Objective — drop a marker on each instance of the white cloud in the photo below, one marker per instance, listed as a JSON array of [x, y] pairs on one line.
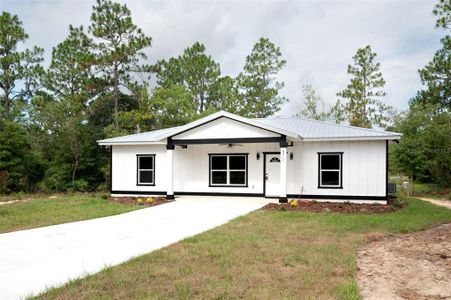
[[317, 38]]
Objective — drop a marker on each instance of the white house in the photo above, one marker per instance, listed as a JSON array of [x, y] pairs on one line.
[[227, 155]]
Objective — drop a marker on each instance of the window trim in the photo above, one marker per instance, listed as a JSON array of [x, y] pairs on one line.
[[340, 177], [138, 156], [228, 170]]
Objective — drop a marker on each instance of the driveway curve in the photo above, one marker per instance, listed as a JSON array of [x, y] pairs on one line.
[[35, 259]]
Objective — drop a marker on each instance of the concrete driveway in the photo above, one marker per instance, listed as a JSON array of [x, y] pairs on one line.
[[31, 260]]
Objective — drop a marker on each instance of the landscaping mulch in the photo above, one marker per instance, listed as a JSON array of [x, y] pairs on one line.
[[348, 208], [134, 200]]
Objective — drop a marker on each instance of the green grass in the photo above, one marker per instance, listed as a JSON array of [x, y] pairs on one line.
[[63, 209], [260, 255]]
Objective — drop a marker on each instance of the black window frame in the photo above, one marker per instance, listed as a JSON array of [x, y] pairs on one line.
[[228, 170], [138, 183], [340, 177]]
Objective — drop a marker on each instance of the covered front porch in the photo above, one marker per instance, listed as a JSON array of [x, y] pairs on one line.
[[244, 166]]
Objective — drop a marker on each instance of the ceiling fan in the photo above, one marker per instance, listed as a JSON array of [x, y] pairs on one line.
[[231, 145]]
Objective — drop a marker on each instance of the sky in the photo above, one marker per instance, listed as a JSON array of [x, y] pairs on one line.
[[317, 38]]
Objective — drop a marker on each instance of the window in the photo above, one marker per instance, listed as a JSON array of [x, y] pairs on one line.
[[228, 169], [330, 170], [146, 169], [274, 160]]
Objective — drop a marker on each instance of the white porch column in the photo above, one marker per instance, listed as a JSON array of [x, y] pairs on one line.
[[169, 163], [283, 172]]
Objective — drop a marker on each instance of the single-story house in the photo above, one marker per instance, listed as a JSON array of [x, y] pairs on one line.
[[227, 155]]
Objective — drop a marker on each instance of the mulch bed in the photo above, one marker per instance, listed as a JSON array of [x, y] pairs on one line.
[[348, 208], [134, 200]]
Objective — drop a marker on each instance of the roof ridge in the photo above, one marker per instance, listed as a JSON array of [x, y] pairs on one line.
[[330, 123]]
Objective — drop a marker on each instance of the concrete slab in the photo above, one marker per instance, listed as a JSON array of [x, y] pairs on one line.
[[32, 260]]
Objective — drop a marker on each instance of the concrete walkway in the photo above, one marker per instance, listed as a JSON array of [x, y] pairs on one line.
[[31, 260]]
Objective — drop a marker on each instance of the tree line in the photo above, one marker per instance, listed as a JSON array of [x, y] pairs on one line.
[[97, 85]]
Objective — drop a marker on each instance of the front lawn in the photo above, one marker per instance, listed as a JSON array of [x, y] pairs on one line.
[[62, 209], [266, 254]]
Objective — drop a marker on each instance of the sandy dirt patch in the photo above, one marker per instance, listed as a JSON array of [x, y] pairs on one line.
[[444, 203], [410, 266]]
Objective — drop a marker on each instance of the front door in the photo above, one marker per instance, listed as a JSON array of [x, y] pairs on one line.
[[272, 175]]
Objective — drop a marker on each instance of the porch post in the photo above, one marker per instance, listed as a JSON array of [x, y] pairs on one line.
[[170, 180], [283, 171]]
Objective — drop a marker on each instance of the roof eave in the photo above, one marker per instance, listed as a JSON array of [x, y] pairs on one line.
[[359, 138], [130, 143]]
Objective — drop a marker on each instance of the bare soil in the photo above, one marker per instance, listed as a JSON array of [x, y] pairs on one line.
[[319, 207], [444, 203], [410, 266], [144, 200]]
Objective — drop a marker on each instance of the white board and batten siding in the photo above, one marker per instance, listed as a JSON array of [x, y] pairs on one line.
[[225, 128], [124, 171], [363, 168]]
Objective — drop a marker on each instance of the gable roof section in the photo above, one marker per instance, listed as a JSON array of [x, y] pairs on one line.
[[313, 130], [160, 136], [293, 128]]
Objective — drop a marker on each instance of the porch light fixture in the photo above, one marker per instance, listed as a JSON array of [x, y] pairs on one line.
[[291, 155], [258, 155]]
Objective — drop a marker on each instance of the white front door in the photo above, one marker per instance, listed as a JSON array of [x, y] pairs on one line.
[[272, 175]]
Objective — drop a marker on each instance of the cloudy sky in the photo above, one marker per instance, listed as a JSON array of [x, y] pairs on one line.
[[317, 38]]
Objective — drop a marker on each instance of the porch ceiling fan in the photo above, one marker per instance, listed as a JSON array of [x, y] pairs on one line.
[[231, 145]]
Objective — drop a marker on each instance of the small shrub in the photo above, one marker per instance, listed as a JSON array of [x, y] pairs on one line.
[[81, 185], [282, 208], [398, 203], [103, 187], [4, 181], [140, 201], [314, 201], [149, 200], [293, 203]]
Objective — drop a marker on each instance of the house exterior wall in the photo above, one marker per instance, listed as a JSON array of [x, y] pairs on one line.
[[364, 168], [124, 168]]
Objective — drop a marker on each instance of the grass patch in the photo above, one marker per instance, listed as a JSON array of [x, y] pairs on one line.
[[261, 255], [62, 209]]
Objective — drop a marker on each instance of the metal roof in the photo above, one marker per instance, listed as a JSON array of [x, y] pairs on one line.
[[294, 128], [320, 130]]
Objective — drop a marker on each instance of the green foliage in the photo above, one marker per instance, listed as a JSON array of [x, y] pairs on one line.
[[20, 167], [172, 106], [119, 48], [258, 81], [312, 105], [362, 106], [443, 11], [424, 149], [16, 66], [436, 75], [194, 70]]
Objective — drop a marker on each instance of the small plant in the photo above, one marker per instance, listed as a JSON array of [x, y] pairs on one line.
[[149, 200], [140, 201], [282, 208], [294, 203], [398, 203], [314, 201]]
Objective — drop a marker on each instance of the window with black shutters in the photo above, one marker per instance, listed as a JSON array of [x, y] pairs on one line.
[[330, 170]]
